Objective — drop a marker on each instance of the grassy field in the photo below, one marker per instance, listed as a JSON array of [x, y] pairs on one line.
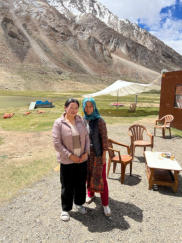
[[15, 176], [18, 102]]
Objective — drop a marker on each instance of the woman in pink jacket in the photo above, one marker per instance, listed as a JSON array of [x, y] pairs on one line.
[[71, 141]]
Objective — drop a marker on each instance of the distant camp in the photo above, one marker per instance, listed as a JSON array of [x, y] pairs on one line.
[[40, 104]]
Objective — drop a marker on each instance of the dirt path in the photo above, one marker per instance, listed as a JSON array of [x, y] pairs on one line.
[[138, 215], [21, 146]]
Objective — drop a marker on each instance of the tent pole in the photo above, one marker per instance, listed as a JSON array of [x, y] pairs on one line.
[[136, 98], [117, 98]]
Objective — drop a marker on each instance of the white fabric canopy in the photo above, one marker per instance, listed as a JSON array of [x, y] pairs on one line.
[[123, 88]]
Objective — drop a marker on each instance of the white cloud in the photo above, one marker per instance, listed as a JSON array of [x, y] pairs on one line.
[[176, 45], [149, 11], [170, 33], [170, 29]]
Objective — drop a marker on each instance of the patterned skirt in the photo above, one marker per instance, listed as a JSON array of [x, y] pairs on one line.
[[94, 173]]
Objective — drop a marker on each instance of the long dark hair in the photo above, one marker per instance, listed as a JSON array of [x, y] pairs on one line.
[[71, 100]]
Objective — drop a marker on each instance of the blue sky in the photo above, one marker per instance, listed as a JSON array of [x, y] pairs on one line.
[[162, 18]]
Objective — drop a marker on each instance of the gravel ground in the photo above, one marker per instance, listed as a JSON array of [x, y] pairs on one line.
[[138, 214]]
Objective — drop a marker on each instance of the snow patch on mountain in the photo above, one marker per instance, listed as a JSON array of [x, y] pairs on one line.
[[76, 8]]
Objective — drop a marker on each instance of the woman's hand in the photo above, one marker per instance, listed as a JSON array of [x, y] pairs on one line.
[[84, 157], [74, 158], [104, 157]]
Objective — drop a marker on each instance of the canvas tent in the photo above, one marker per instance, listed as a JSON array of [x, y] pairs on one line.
[[43, 104], [123, 88], [40, 104], [32, 106]]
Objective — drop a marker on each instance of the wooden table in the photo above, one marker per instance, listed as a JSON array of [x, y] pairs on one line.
[[161, 171]]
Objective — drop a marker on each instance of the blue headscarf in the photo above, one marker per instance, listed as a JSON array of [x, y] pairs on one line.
[[95, 114]]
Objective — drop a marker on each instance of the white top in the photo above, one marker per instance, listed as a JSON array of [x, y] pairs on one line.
[[156, 161]]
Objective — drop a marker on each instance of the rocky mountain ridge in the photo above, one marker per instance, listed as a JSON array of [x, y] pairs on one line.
[[76, 8], [77, 40]]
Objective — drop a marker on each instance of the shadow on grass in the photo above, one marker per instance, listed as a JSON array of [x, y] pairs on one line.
[[96, 221], [125, 113]]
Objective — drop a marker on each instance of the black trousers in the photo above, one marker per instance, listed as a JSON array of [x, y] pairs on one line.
[[73, 184]]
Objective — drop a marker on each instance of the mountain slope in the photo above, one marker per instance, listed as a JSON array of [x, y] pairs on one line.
[[46, 44], [76, 8]]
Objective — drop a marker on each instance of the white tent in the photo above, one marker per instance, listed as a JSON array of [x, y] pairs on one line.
[[123, 88]]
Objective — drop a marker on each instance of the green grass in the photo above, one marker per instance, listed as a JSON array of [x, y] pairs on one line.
[[177, 132], [42, 122], [35, 94], [13, 177], [20, 101], [31, 122], [123, 112], [1, 140], [153, 97], [122, 115]]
